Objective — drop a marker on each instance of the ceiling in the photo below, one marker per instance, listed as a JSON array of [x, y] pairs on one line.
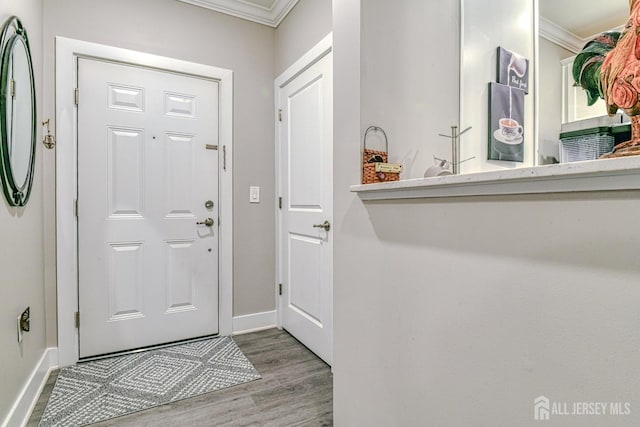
[[266, 12], [585, 18]]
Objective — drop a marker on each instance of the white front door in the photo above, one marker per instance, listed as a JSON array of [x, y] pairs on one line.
[[306, 248], [147, 168]]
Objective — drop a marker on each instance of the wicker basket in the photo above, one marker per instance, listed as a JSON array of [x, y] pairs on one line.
[[372, 157]]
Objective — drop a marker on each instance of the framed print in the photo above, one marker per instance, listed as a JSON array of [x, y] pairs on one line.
[[506, 123], [513, 70]]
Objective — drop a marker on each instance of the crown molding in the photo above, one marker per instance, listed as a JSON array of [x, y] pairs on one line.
[[249, 11], [566, 39], [558, 35]]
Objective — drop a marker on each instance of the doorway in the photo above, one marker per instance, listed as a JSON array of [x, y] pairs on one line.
[[148, 212], [304, 101], [147, 199]]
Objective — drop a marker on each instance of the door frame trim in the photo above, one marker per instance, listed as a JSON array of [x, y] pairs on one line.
[[67, 51], [313, 56]]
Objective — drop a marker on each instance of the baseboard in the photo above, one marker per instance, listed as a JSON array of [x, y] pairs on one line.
[[28, 397], [254, 322]]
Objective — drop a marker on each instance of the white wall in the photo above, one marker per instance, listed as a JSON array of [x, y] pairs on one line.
[[346, 158], [550, 97], [182, 31], [461, 311], [21, 256], [400, 47], [307, 23], [487, 25]]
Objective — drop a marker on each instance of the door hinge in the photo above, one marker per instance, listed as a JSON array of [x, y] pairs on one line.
[[280, 114], [77, 319], [75, 208], [76, 96], [279, 202], [279, 288], [224, 157], [13, 88]]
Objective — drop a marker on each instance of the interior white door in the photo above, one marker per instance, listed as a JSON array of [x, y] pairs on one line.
[[148, 273], [306, 248]]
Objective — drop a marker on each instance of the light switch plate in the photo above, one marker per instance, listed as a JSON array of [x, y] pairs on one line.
[[254, 194], [19, 329]]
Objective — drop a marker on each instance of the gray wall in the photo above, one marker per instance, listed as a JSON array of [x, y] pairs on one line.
[[550, 96], [487, 25], [398, 49], [21, 256], [462, 311], [307, 23], [179, 30]]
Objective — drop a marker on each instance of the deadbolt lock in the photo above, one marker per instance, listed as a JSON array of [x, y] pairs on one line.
[[208, 204]]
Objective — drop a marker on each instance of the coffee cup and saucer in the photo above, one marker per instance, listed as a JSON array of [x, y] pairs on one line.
[[508, 135]]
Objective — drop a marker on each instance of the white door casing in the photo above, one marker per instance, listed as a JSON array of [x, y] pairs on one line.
[[147, 273], [68, 51], [304, 98]]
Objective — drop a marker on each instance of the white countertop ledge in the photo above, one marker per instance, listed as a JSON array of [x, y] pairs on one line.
[[594, 175]]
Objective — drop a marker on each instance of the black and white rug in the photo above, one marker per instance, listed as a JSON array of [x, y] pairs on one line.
[[95, 391]]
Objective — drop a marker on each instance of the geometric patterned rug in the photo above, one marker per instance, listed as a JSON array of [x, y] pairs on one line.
[[96, 391]]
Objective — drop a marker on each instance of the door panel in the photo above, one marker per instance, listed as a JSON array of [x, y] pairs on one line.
[[306, 135], [306, 147], [125, 98], [179, 256], [124, 280], [147, 273], [305, 276], [179, 179], [126, 169]]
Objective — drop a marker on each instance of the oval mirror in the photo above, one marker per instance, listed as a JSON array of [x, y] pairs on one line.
[[17, 113]]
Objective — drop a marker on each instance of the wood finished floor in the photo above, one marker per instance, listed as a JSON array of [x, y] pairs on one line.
[[296, 389]]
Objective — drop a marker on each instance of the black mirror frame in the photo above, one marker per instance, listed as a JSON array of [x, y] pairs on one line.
[[16, 195]]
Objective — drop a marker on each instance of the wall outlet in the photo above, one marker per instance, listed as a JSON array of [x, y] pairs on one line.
[[254, 194]]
